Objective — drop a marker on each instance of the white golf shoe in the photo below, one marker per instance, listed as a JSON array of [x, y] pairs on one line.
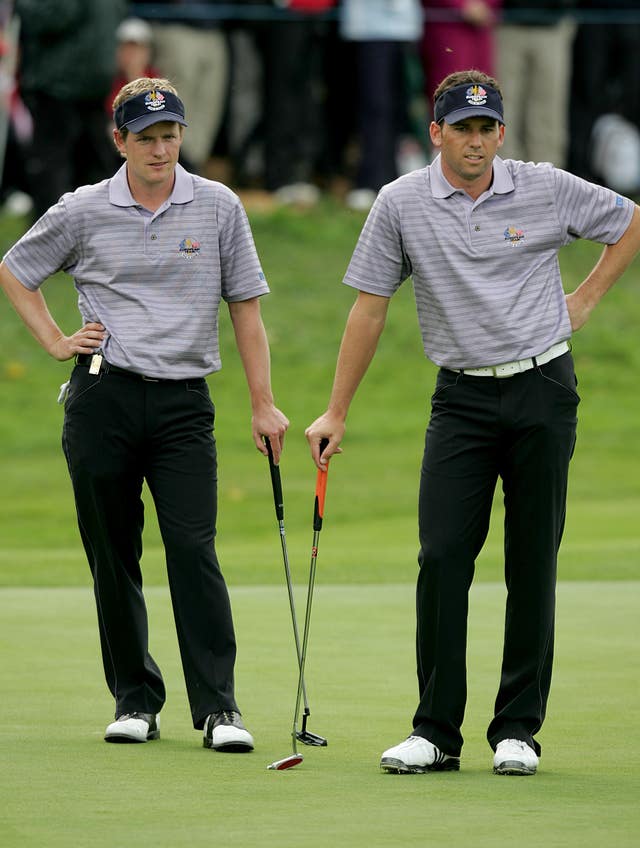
[[416, 756], [513, 756], [133, 727], [225, 731]]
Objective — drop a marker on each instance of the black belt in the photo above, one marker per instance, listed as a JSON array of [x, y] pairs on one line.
[[84, 359]]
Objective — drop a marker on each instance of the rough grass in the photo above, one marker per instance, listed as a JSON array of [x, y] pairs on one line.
[[370, 528]]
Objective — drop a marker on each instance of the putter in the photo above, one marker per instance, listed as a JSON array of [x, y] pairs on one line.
[[305, 736], [318, 511]]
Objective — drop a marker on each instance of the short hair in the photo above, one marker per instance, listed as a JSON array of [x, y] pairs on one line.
[[471, 76], [140, 86]]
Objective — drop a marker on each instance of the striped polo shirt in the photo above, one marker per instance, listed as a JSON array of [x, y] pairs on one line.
[[154, 280], [485, 273]]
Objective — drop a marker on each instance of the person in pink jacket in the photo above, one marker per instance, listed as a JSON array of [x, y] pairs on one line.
[[457, 34]]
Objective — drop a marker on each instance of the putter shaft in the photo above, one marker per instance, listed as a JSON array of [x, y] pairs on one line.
[[305, 736], [305, 635], [318, 513], [292, 606]]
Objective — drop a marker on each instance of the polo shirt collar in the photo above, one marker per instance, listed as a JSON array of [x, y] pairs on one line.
[[120, 193], [441, 187], [502, 181]]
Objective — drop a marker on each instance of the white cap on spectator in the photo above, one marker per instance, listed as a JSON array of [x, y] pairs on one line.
[[136, 30]]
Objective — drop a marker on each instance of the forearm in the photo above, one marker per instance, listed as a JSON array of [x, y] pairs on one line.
[[359, 343], [253, 347], [32, 309], [613, 262]]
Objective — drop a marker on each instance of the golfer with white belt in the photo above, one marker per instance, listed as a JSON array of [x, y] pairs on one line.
[[153, 251], [480, 237]]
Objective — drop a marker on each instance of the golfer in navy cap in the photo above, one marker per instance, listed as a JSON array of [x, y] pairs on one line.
[[480, 237], [152, 251]]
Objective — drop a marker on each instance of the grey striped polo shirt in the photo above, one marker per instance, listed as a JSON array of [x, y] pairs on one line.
[[155, 280], [485, 273]]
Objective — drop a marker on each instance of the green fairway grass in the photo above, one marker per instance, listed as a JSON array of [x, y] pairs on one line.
[[62, 786]]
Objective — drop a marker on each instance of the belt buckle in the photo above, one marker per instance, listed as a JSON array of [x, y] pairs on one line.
[[150, 379]]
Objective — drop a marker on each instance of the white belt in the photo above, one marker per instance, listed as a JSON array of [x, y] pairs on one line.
[[508, 369]]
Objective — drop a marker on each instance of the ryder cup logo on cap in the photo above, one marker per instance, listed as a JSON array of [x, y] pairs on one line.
[[154, 101], [476, 95], [468, 101], [139, 112]]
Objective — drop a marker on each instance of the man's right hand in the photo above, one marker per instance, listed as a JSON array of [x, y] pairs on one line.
[[85, 340], [327, 427]]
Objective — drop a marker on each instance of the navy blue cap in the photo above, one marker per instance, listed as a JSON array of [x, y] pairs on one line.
[[468, 101], [139, 112]]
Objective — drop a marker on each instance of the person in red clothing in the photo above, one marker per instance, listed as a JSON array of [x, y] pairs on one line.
[[134, 55], [309, 5], [458, 34]]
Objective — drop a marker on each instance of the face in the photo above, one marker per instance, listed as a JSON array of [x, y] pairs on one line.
[[151, 155], [133, 57], [468, 149]]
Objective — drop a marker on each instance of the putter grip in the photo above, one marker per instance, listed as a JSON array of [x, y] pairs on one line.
[[321, 491], [276, 482]]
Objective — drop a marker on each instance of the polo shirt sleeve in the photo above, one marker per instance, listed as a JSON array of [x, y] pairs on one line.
[[590, 211], [242, 277], [379, 264], [48, 247]]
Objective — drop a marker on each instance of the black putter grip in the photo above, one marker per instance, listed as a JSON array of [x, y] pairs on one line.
[[276, 482], [321, 489]]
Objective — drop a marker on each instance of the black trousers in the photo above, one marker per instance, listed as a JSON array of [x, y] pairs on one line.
[[520, 429], [292, 57], [380, 110], [118, 431], [605, 59]]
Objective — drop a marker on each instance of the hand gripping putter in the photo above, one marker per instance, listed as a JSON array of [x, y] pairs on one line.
[[318, 511], [305, 736]]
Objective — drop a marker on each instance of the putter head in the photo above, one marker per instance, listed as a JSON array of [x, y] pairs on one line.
[[309, 738], [286, 763]]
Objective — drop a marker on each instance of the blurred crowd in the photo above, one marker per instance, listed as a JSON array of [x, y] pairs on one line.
[[290, 99]]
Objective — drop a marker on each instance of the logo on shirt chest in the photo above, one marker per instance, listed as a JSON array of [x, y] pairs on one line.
[[513, 235], [189, 248]]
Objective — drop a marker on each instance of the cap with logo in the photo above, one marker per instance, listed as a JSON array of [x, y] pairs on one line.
[[468, 101], [139, 112]]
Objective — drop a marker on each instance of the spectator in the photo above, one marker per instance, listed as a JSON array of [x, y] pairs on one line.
[[192, 51], [68, 63], [14, 193], [534, 60], [606, 70], [291, 53], [458, 34], [379, 32], [16, 125], [133, 56]]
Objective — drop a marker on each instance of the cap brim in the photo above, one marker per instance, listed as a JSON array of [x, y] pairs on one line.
[[139, 124], [472, 112]]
